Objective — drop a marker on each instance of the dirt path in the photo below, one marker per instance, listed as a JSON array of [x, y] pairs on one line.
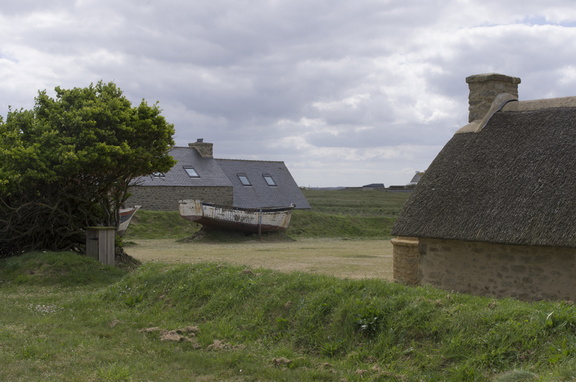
[[340, 258]]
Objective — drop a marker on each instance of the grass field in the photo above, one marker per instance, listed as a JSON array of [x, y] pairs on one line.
[[65, 317], [346, 234], [341, 258]]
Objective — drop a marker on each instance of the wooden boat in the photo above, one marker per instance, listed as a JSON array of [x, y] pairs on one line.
[[249, 220], [126, 215]]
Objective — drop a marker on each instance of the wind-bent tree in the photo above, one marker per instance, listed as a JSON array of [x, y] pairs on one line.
[[67, 164]]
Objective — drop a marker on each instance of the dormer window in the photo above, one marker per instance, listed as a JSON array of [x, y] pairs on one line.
[[191, 171], [269, 180], [244, 180]]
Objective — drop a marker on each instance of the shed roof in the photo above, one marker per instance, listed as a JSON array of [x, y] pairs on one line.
[[512, 182]]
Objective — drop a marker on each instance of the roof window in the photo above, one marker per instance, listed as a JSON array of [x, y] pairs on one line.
[[244, 180], [191, 171], [269, 180], [158, 175]]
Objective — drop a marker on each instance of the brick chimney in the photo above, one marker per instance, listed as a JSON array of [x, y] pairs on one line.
[[483, 90], [205, 149]]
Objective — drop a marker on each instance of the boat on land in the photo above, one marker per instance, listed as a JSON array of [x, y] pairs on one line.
[[248, 220], [126, 215]]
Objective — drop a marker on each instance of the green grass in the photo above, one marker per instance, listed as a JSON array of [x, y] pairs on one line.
[[159, 225], [357, 202], [236, 324], [320, 224], [65, 317], [348, 214]]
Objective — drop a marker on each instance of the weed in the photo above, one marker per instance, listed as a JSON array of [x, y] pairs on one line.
[[114, 373], [331, 348], [369, 323]]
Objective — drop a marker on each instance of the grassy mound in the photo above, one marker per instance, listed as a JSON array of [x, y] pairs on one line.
[[320, 224], [211, 322], [389, 331], [66, 269], [159, 225]]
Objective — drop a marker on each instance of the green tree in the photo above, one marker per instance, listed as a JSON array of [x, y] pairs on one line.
[[67, 164]]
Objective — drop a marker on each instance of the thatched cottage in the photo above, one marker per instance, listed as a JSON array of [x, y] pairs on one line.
[[232, 182], [494, 214]]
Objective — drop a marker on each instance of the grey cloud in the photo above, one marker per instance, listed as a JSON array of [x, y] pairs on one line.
[[343, 91]]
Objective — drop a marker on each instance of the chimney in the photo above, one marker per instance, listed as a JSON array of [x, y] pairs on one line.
[[205, 149], [483, 90]]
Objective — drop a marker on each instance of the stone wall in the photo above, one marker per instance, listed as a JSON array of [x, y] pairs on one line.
[[166, 198], [405, 260], [525, 272]]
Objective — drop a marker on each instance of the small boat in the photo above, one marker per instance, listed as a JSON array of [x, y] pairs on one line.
[[249, 220], [126, 215]]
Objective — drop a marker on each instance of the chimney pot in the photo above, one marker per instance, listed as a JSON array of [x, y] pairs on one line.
[[483, 90]]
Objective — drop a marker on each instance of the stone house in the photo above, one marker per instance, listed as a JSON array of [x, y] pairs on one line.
[[198, 175], [374, 187], [494, 214], [416, 178]]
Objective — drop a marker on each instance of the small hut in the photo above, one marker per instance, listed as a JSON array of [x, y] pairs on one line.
[[495, 213]]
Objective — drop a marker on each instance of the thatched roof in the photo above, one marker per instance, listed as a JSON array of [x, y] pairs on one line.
[[512, 182]]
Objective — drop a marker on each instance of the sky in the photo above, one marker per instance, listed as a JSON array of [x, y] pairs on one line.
[[346, 93]]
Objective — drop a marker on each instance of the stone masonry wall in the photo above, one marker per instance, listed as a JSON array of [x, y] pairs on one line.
[[525, 272], [483, 90], [167, 198], [405, 260]]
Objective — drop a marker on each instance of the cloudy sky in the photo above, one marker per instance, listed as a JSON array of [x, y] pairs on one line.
[[346, 93]]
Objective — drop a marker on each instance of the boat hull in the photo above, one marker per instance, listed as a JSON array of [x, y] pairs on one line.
[[125, 215], [249, 220]]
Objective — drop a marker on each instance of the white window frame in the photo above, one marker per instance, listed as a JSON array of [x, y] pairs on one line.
[[192, 173], [244, 179], [269, 180]]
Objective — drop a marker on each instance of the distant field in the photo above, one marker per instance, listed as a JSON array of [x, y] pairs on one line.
[[357, 202]]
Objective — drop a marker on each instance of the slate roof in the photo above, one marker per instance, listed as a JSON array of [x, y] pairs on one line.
[[511, 182], [211, 174], [260, 194], [224, 172], [416, 178]]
